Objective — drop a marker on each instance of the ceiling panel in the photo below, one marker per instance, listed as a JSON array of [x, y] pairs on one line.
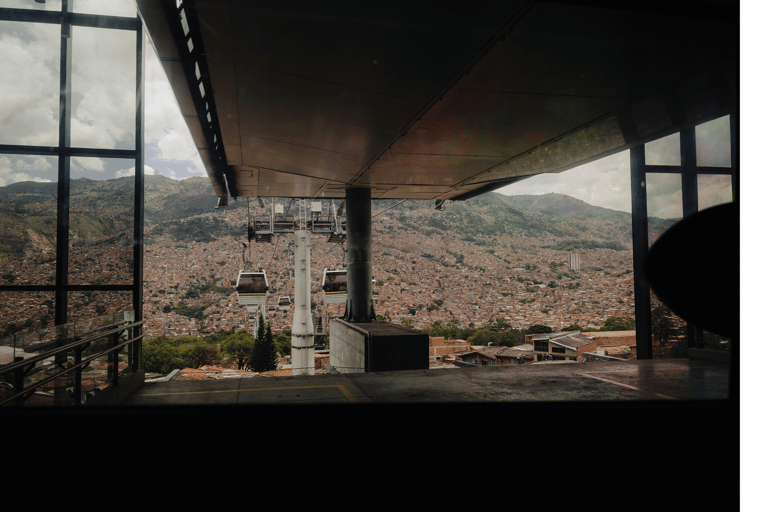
[[319, 97]]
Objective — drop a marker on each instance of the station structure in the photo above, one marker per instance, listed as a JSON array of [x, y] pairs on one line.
[[363, 101]]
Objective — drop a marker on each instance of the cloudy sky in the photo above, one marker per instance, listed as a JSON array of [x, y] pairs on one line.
[[103, 99], [102, 116]]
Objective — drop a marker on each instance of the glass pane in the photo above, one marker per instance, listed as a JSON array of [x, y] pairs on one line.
[[668, 331], [23, 312], [101, 221], [106, 7], [89, 310], [29, 83], [665, 151], [103, 88], [713, 143], [714, 190], [49, 5], [665, 202], [28, 192]]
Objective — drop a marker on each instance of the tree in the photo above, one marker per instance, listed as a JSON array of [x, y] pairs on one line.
[[270, 348], [661, 324], [614, 323], [264, 356], [163, 355], [239, 347], [283, 343], [538, 329]]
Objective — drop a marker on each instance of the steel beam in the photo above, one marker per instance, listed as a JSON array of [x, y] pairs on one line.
[[690, 190], [138, 196], [359, 261], [640, 252], [65, 123]]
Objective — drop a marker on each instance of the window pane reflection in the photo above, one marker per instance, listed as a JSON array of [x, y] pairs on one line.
[[92, 307], [28, 192], [29, 84], [101, 221], [713, 143], [22, 312], [103, 88], [664, 151], [714, 190]]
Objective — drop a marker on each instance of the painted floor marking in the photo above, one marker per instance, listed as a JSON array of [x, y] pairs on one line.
[[626, 386], [340, 387]]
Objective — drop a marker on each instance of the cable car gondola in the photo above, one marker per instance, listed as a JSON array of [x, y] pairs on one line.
[[284, 303], [252, 288], [334, 285]]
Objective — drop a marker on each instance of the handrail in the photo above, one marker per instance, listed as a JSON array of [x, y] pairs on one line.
[[66, 348], [86, 362], [99, 332]]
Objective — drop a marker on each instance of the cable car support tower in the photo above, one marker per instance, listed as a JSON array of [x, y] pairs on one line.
[[263, 229]]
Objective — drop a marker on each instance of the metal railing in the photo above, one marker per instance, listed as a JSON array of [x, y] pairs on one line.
[[69, 364]]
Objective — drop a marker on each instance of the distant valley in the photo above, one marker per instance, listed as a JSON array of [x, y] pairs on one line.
[[512, 249]]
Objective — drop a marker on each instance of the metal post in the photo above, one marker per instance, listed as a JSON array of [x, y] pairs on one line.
[[78, 388], [640, 252], [138, 197], [62, 218], [18, 382], [359, 262], [690, 189]]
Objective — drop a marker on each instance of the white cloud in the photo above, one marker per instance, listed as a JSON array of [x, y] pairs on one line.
[[9, 176], [29, 84], [148, 171], [39, 163], [87, 164], [601, 183], [164, 124]]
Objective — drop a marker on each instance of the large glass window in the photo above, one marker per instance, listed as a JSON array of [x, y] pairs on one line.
[[28, 192], [713, 143], [103, 88], [101, 228], [29, 84]]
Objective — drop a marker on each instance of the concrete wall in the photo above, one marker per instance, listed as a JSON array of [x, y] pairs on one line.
[[347, 348]]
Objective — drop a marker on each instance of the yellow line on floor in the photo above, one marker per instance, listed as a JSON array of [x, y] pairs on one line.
[[341, 388], [627, 386]]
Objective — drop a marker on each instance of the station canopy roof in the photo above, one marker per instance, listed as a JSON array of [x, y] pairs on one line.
[[307, 98]]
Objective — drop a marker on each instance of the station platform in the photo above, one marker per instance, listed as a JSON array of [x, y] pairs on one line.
[[669, 380]]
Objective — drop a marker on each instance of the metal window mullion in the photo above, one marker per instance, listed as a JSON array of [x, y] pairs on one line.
[[138, 196], [690, 192], [640, 252], [62, 215]]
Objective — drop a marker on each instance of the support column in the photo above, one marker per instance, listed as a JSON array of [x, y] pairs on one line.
[[138, 207], [640, 252], [65, 121], [303, 330], [690, 189], [359, 266]]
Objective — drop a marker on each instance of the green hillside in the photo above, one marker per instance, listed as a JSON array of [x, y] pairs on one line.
[[102, 212]]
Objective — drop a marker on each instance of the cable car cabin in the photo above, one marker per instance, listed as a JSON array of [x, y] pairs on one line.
[[334, 286], [252, 288], [284, 303], [271, 307]]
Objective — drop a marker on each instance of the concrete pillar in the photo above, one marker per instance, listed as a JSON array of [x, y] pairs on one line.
[[640, 252], [359, 266]]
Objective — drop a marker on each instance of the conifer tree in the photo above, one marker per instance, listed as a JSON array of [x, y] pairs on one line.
[[270, 349], [264, 355]]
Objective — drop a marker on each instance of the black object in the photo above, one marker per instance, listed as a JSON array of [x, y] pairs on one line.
[[694, 269]]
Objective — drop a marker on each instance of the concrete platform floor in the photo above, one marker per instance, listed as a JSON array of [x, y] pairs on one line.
[[669, 380]]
